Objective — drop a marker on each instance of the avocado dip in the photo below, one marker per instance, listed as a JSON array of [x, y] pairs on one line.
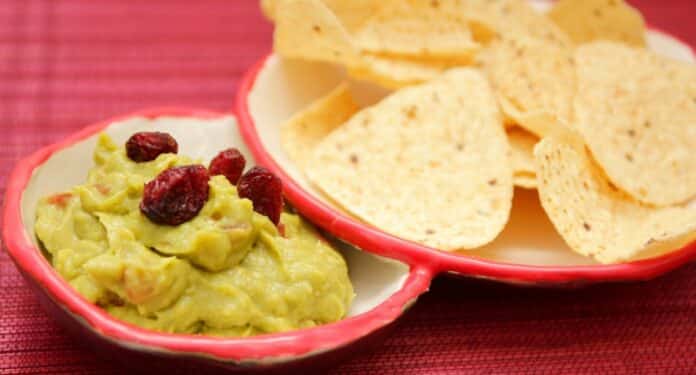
[[228, 271]]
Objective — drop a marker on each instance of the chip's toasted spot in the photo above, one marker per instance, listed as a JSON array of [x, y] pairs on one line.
[[631, 133], [586, 226], [492, 182], [316, 28], [354, 158], [411, 111], [429, 232]]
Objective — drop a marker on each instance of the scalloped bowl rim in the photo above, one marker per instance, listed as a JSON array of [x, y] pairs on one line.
[[270, 348], [374, 240]]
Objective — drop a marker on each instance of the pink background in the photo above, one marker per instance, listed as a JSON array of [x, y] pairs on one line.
[[67, 63]]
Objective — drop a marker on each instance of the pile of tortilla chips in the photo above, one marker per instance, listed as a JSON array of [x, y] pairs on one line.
[[492, 94]]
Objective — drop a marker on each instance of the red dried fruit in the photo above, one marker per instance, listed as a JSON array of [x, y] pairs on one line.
[[176, 195], [146, 146], [229, 163], [265, 190]]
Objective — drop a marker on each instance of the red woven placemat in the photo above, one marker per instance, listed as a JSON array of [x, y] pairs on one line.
[[67, 63]]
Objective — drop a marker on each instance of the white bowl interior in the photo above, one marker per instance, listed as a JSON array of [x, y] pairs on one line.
[[374, 278], [284, 87]]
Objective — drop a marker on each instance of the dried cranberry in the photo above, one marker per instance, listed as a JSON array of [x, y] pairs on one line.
[[265, 190], [176, 195], [146, 146], [229, 163]]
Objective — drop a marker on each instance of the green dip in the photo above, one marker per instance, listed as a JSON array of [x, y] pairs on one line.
[[226, 272]]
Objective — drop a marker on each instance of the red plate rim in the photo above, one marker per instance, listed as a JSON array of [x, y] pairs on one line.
[[272, 348], [376, 241]]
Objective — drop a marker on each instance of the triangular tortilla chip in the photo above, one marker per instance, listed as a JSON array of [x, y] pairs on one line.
[[307, 29], [589, 20], [306, 129], [596, 219], [416, 28], [636, 111], [428, 163], [510, 19], [535, 82]]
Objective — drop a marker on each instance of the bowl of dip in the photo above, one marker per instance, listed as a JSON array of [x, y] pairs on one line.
[[189, 300]]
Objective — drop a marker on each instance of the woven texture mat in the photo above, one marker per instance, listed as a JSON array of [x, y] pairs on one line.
[[68, 63]]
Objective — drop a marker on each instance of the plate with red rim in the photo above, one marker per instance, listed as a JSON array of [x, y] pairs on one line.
[[388, 273], [384, 288], [529, 251]]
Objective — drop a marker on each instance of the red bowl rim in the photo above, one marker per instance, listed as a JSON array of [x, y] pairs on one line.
[[264, 348], [379, 242]]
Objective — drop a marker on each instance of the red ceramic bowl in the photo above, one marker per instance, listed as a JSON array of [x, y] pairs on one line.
[[384, 288], [529, 251]]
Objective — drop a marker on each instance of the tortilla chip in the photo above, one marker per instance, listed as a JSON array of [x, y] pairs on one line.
[[597, 220], [510, 18], [416, 29], [395, 73], [534, 81], [306, 129], [353, 13], [522, 157], [637, 113], [428, 164], [268, 8], [589, 20], [308, 29]]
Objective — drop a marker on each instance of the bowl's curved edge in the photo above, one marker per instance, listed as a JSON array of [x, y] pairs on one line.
[[378, 242], [263, 349]]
